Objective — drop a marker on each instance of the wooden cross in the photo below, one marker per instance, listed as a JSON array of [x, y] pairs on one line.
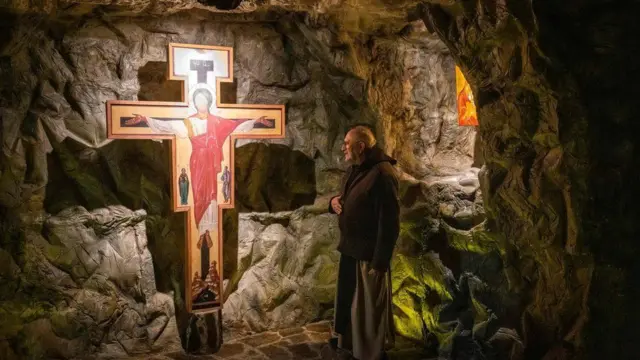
[[202, 133]]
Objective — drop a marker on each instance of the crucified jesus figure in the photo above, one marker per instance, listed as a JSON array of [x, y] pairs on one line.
[[207, 133]]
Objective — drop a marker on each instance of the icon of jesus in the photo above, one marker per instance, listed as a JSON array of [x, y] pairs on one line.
[[207, 133]]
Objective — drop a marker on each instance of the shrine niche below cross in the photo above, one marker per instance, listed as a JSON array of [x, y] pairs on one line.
[[202, 133]]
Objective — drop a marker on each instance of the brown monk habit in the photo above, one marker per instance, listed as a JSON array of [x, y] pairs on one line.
[[369, 228]]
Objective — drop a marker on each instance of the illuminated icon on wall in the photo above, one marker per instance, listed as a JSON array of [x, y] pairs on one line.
[[467, 115], [202, 133]]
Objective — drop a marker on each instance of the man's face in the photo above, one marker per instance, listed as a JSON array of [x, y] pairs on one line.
[[352, 149]]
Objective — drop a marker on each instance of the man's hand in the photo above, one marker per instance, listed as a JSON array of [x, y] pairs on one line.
[[373, 271], [335, 205]]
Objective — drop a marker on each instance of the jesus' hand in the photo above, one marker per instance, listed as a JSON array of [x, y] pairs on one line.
[[136, 120], [264, 121]]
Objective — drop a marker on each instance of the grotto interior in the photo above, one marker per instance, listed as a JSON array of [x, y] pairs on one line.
[[517, 236]]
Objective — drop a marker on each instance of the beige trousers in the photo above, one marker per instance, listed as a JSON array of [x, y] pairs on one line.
[[363, 320]]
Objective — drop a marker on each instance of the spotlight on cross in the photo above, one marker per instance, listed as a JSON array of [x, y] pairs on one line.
[[221, 4]]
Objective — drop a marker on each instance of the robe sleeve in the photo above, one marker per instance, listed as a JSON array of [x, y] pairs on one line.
[[225, 127], [343, 184], [168, 127], [388, 219]]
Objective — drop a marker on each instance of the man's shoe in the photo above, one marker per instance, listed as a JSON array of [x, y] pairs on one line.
[[333, 343]]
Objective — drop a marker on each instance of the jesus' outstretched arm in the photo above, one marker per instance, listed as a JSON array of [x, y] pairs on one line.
[[248, 124], [176, 127]]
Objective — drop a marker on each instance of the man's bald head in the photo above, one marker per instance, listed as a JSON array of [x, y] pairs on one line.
[[363, 134], [356, 142]]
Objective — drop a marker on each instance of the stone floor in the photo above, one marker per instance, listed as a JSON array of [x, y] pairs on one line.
[[305, 343]]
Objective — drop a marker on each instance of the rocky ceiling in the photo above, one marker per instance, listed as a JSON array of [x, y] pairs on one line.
[[376, 10]]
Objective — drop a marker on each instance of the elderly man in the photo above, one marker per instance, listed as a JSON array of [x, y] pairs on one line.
[[368, 213]]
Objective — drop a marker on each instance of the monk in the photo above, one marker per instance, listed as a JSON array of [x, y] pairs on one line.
[[368, 212]]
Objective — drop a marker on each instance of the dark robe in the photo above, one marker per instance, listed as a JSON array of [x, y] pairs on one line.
[[369, 197], [363, 320]]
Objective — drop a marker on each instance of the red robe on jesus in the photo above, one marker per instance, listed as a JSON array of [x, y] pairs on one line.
[[206, 160]]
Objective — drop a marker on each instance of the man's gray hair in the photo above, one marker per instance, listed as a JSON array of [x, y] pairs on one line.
[[364, 134]]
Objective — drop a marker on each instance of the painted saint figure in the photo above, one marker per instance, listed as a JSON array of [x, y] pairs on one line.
[[197, 285], [226, 184], [183, 184], [204, 244], [213, 278]]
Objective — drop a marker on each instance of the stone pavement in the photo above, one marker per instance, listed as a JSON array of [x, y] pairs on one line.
[[304, 343]]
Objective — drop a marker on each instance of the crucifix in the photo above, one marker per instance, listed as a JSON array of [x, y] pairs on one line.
[[202, 132]]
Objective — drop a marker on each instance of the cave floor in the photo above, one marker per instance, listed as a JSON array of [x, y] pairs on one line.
[[308, 342]]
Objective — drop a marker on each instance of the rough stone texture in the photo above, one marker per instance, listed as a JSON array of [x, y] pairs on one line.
[[273, 178], [367, 16], [414, 90], [448, 276], [559, 140], [287, 267], [95, 277]]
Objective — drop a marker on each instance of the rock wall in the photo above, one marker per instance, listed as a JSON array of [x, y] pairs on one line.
[[85, 282], [55, 157], [559, 139], [287, 270]]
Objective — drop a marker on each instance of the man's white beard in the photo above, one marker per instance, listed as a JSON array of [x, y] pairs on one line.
[[355, 158]]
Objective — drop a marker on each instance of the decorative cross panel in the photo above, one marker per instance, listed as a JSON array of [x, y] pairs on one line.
[[202, 132]]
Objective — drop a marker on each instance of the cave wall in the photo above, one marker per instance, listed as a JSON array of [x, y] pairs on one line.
[[559, 140], [60, 71]]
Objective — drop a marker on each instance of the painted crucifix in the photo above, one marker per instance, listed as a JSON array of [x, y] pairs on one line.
[[202, 132]]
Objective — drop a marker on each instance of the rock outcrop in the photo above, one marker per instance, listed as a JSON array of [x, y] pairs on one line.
[[287, 268], [92, 275], [559, 138]]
